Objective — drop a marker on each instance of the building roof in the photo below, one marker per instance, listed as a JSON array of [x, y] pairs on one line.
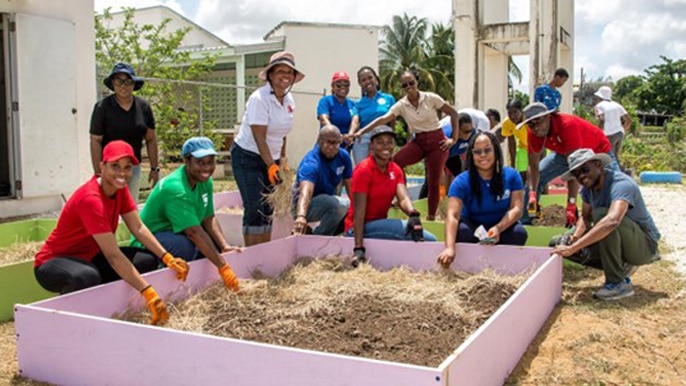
[[269, 35]]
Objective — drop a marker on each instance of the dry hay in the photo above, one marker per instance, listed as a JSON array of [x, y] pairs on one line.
[[323, 305], [231, 210], [551, 215], [281, 197], [19, 252]]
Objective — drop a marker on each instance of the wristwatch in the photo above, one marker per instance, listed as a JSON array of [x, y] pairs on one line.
[[155, 169]]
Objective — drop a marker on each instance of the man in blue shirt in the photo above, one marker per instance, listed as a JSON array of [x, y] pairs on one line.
[[320, 172], [454, 163], [548, 94], [615, 225]]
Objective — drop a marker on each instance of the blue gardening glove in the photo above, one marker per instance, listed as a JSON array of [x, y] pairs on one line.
[[414, 227], [359, 256]]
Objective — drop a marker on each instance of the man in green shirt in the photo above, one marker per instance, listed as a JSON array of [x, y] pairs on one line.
[[180, 210]]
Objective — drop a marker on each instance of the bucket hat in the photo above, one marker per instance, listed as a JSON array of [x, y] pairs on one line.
[[123, 68], [580, 157], [533, 111], [282, 57]]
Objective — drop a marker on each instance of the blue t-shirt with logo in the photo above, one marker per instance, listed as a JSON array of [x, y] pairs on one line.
[[371, 108], [324, 174], [492, 209], [619, 186], [340, 114], [460, 147]]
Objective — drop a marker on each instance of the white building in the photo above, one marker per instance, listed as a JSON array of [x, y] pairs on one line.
[[47, 81]]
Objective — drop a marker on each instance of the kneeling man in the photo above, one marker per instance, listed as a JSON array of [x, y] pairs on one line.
[[615, 225]]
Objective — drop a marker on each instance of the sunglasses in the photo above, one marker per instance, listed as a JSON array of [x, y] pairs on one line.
[[484, 151], [342, 85], [408, 84], [583, 169], [122, 82]]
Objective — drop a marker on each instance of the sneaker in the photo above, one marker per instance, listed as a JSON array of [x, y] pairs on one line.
[[616, 291]]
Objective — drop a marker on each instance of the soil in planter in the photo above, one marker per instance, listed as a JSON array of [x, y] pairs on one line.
[[323, 305], [551, 215]]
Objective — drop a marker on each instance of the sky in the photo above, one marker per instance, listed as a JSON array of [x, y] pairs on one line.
[[613, 38]]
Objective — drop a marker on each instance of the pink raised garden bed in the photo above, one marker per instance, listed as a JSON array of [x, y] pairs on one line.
[[71, 339]]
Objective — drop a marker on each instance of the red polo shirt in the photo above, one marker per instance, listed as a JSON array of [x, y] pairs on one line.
[[88, 212], [569, 133], [379, 186]]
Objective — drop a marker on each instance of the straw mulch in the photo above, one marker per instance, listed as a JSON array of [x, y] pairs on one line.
[[230, 210], [281, 197], [19, 252], [551, 215], [323, 305]]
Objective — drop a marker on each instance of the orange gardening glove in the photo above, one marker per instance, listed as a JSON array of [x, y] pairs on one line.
[[230, 279], [532, 206], [177, 264], [274, 174], [157, 307]]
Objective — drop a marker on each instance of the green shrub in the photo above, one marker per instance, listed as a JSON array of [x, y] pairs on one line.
[[675, 130]]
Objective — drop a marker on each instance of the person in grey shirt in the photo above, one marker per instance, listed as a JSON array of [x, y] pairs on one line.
[[615, 232]]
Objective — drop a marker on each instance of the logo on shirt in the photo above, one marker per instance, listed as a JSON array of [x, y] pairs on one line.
[[505, 196], [381, 101], [391, 175], [205, 199], [339, 170], [290, 108]]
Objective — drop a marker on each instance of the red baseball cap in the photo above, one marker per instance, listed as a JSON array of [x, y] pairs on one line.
[[340, 75], [116, 150]]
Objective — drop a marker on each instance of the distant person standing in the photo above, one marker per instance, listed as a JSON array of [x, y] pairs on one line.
[[548, 93], [370, 106], [612, 118], [338, 110], [124, 116]]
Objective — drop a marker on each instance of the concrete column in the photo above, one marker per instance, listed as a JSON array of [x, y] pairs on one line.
[[465, 23], [240, 87]]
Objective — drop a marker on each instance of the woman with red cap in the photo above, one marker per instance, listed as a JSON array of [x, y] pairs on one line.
[[259, 150], [337, 109], [82, 250]]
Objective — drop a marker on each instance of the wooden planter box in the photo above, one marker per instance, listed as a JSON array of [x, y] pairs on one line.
[[56, 337]]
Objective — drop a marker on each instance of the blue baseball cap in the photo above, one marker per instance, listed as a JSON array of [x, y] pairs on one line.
[[198, 147]]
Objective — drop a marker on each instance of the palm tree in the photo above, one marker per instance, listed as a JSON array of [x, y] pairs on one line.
[[403, 47], [440, 60]]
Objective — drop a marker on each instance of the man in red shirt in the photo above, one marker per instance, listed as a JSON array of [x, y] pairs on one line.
[[562, 134], [376, 181]]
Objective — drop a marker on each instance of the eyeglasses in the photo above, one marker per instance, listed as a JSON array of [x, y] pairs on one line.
[[535, 122], [484, 151], [580, 171], [408, 84], [122, 82], [342, 85]]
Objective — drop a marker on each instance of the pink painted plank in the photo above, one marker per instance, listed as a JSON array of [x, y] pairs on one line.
[[42, 349], [227, 199], [53, 347], [499, 343]]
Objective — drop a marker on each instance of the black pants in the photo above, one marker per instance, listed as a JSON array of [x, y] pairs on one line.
[[69, 274]]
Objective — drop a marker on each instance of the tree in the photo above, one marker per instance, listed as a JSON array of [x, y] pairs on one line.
[[440, 59], [403, 47], [664, 88], [154, 53], [625, 87]]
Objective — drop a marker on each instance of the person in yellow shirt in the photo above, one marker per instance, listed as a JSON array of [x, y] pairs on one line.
[[517, 143]]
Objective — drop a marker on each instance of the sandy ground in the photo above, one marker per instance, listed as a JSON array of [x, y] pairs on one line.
[[667, 204]]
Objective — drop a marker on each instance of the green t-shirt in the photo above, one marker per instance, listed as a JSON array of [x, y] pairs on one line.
[[174, 206]]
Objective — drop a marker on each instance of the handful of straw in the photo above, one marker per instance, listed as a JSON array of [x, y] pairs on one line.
[[281, 197]]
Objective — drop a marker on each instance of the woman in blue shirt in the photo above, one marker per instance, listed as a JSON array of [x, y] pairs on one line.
[[487, 193], [371, 105]]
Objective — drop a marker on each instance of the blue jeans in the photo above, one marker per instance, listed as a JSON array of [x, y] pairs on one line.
[[554, 165], [389, 229], [361, 148], [178, 244], [252, 179], [329, 211]]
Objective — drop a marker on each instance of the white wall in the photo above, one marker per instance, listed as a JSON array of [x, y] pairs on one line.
[[318, 57], [80, 13]]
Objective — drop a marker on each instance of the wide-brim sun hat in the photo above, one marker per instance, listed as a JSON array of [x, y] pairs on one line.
[[123, 68], [580, 157], [285, 58], [533, 111], [604, 93]]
